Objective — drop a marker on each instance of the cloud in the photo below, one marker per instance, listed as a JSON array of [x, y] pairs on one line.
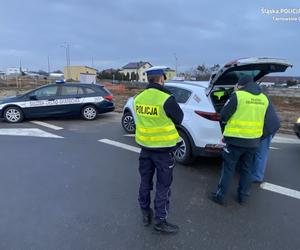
[[14, 52], [116, 32]]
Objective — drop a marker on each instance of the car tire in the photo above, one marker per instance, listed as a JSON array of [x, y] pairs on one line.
[[183, 154], [89, 112], [13, 114], [128, 122]]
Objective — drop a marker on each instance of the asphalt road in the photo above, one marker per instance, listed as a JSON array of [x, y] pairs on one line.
[[75, 192]]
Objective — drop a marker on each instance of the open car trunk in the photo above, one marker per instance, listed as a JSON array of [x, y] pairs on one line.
[[222, 84]]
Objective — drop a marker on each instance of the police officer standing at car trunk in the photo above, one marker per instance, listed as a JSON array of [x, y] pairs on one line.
[[157, 114], [244, 117]]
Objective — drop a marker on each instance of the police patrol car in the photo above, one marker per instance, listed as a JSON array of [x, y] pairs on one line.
[[58, 100]]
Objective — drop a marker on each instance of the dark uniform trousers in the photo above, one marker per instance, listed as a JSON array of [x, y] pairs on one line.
[[232, 157], [163, 163]]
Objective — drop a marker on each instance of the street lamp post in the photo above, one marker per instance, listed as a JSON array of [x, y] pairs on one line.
[[67, 47], [176, 63], [48, 65]]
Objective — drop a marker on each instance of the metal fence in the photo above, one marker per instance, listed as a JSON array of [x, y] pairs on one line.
[[20, 82], [127, 84]]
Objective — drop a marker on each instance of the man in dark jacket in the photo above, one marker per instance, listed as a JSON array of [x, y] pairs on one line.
[[157, 115], [272, 124], [243, 116]]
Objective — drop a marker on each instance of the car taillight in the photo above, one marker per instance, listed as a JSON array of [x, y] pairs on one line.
[[108, 97], [209, 115]]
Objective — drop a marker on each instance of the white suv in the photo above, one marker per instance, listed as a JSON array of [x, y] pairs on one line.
[[201, 103]]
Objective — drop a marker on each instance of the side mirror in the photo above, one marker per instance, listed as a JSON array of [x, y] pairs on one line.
[[33, 97]]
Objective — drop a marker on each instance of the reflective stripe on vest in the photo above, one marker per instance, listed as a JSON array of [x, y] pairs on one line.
[[248, 120], [153, 128]]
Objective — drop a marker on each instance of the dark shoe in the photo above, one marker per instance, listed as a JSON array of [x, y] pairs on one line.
[[147, 217], [241, 200], [216, 199], [166, 227], [257, 182]]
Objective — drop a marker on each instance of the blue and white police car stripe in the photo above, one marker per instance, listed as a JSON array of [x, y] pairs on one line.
[[56, 102]]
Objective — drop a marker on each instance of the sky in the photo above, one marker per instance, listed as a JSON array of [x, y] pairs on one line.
[[109, 34]]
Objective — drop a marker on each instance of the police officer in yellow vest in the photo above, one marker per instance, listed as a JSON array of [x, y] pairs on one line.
[[157, 114], [244, 116]]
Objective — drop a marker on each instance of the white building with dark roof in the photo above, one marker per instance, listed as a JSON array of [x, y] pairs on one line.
[[136, 68], [15, 71]]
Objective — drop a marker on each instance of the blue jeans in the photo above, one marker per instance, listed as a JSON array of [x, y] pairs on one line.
[[260, 159]]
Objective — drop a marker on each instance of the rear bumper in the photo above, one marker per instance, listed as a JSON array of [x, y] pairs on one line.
[[105, 107], [208, 151]]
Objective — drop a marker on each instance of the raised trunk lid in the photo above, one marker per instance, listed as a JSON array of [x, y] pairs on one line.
[[256, 67]]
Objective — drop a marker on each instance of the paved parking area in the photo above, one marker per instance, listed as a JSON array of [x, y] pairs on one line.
[[62, 186]]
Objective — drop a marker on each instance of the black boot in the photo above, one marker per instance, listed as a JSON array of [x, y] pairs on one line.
[[165, 227], [215, 198], [241, 200], [147, 217]]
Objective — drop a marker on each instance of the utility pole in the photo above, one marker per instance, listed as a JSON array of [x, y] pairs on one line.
[[68, 60], [92, 62], [176, 63], [67, 47], [20, 73], [20, 66], [48, 65]]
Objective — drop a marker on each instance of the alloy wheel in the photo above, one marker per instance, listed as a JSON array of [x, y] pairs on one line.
[[181, 150], [13, 115], [128, 123], [89, 113]]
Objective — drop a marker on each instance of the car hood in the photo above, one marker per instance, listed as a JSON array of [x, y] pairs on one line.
[[256, 67], [9, 99]]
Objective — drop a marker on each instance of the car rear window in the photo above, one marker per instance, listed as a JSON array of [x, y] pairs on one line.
[[89, 91], [100, 90], [181, 95]]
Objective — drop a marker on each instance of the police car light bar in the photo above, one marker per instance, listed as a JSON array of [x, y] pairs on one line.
[[60, 81]]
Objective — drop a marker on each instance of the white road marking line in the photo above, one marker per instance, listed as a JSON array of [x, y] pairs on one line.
[[273, 148], [280, 190], [48, 125], [264, 185], [121, 145], [130, 135], [280, 139], [34, 132]]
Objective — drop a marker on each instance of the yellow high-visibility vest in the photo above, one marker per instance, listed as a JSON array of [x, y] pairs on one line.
[[219, 94], [154, 129], [248, 120]]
